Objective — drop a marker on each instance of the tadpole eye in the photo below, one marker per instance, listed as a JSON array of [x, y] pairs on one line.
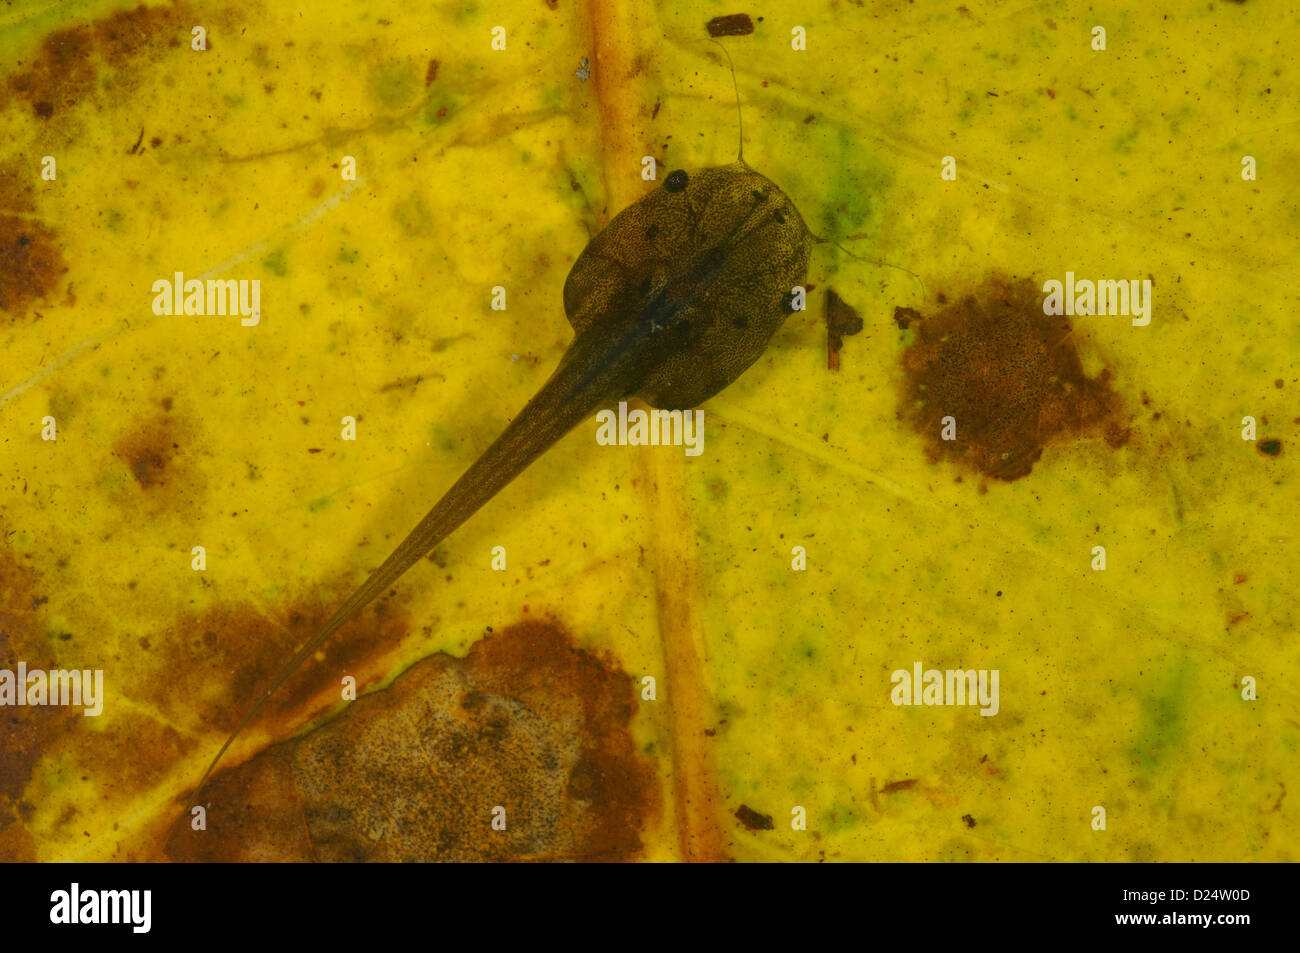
[[676, 181]]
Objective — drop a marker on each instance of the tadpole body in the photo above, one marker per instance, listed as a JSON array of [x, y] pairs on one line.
[[671, 302]]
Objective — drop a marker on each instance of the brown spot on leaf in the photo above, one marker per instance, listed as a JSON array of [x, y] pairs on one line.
[[16, 184], [31, 263], [903, 785], [61, 73], [1270, 447], [27, 731], [526, 722], [431, 72], [842, 320], [67, 66], [753, 820], [149, 450], [903, 317], [734, 24], [1009, 375], [240, 647]]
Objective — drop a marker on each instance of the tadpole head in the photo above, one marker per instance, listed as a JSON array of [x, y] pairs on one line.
[[696, 273]]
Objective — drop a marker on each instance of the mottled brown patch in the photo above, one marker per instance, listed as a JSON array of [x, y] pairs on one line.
[[733, 24], [68, 64], [1009, 375], [842, 320], [753, 820], [17, 184], [31, 263], [526, 722], [904, 317], [127, 35], [61, 73], [209, 666], [903, 785], [25, 732], [150, 449]]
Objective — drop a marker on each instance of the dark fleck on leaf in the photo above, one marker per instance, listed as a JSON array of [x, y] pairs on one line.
[[903, 785], [842, 320], [734, 24], [753, 820]]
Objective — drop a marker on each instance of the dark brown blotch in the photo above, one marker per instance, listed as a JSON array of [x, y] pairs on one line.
[[149, 450], [1009, 375], [31, 263], [26, 733], [733, 24], [753, 820], [526, 721], [842, 320], [67, 67]]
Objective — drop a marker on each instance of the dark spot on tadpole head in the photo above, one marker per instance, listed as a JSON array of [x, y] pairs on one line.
[[1010, 377], [753, 820], [676, 180], [30, 263], [526, 722], [733, 24], [842, 320], [1270, 447]]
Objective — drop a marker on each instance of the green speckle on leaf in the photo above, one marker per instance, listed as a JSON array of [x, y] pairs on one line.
[[275, 263], [394, 84], [412, 215], [855, 191]]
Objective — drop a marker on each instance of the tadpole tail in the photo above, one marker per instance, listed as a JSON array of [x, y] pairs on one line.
[[585, 380]]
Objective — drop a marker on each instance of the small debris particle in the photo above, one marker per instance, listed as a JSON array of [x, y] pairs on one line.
[[905, 316], [753, 820], [842, 320], [735, 24]]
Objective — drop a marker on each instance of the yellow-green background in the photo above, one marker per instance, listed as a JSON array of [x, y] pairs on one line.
[[1117, 688]]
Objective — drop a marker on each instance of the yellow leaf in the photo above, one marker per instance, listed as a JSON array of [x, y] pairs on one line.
[[182, 506]]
